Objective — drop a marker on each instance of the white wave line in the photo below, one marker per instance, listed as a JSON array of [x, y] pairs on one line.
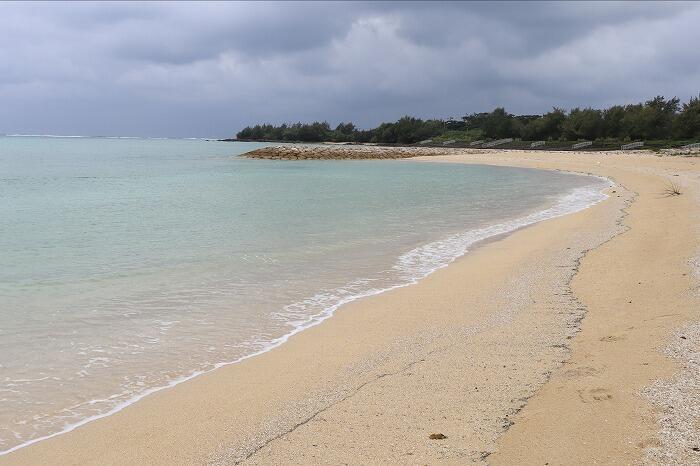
[[416, 264]]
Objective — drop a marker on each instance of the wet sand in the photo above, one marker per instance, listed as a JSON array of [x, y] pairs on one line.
[[540, 347]]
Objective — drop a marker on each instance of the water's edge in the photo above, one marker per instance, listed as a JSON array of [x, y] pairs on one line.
[[414, 265]]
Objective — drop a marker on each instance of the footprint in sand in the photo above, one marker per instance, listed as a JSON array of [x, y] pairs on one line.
[[612, 338], [594, 394], [583, 371]]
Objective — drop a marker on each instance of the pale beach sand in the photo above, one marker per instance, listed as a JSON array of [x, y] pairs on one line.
[[552, 345]]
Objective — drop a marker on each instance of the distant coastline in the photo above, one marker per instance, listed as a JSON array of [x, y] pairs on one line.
[[655, 124], [87, 136]]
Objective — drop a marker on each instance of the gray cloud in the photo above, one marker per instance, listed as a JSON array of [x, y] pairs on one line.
[[207, 69]]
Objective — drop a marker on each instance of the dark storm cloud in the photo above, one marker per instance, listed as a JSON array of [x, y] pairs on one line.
[[206, 69]]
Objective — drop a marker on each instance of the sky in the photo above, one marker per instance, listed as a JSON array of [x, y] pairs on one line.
[[209, 69]]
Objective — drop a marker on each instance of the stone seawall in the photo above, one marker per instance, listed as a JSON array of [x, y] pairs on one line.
[[303, 152], [358, 152]]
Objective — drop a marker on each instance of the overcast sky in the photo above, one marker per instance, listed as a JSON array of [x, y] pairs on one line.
[[208, 69]]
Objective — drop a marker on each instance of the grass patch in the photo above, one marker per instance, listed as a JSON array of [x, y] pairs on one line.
[[672, 189]]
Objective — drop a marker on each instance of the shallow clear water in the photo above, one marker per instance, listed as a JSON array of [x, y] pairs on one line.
[[129, 264]]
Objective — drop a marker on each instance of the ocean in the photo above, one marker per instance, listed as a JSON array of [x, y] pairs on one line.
[[128, 265]]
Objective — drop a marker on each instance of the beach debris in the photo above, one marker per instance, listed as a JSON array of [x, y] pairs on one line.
[[437, 436], [695, 145], [672, 190], [476, 143], [537, 144]]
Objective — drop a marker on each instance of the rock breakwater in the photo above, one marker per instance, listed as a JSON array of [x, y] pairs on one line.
[[303, 152]]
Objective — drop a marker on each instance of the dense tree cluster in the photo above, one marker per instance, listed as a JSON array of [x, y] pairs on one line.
[[655, 119]]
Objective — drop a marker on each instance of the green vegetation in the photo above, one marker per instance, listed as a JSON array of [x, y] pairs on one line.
[[658, 122]]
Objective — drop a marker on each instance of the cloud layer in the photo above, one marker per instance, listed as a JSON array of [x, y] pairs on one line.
[[207, 69]]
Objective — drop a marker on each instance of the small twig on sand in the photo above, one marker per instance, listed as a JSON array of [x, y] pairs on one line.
[[672, 190]]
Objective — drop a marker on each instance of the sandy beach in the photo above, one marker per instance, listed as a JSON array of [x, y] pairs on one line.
[[567, 342]]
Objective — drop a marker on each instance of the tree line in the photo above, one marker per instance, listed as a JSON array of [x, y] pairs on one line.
[[655, 119]]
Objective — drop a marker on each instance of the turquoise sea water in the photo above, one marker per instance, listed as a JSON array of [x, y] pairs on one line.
[[131, 264]]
